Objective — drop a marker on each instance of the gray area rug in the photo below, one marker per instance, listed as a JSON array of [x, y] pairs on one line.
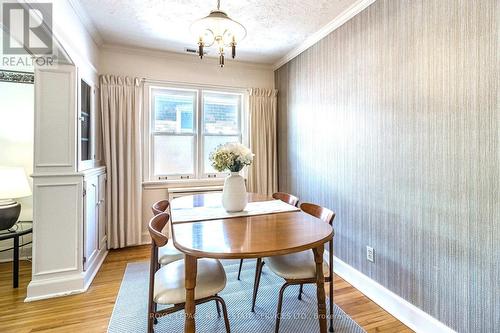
[[130, 311]]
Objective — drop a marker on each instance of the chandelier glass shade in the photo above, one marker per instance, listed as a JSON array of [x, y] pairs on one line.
[[219, 30]]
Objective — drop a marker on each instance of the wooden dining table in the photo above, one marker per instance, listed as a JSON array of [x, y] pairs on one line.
[[246, 237]]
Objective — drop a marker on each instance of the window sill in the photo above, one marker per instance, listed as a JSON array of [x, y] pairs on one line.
[[159, 184]]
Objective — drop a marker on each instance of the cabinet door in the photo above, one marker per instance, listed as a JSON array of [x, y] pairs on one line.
[[90, 225], [55, 113], [86, 125], [102, 213]]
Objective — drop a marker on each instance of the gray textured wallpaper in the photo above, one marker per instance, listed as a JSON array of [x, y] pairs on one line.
[[392, 120]]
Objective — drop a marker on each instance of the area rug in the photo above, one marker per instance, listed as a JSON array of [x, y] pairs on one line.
[[130, 311]]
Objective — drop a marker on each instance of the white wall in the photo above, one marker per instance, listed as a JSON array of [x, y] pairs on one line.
[[17, 101], [69, 31], [16, 143], [187, 68], [73, 35], [156, 65]]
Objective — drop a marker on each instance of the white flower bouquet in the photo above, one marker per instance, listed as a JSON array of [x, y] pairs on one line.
[[231, 156]]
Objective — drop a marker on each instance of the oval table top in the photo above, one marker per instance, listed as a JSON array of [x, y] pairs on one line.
[[246, 237]]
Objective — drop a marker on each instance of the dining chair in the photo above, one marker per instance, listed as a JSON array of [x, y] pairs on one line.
[[167, 253], [166, 284], [291, 200], [300, 268], [285, 197]]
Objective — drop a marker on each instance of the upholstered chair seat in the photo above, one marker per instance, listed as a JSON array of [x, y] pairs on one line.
[[296, 266], [300, 268], [169, 285]]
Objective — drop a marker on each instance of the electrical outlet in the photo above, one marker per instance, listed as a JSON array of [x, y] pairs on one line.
[[370, 254]]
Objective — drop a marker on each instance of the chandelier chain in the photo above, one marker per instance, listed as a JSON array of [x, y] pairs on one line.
[[218, 4]]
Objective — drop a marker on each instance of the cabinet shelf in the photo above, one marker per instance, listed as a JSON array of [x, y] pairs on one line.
[[86, 148]]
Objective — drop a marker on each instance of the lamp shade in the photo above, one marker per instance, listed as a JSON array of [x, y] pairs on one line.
[[13, 183], [218, 24]]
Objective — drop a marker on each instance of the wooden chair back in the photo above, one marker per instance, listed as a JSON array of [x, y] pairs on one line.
[[285, 197], [321, 213], [156, 225], [161, 206]]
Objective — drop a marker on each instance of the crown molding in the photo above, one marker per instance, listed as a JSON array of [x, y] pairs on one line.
[[342, 18], [133, 50], [86, 21]]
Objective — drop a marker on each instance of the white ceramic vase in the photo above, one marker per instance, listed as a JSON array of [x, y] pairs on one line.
[[234, 194]]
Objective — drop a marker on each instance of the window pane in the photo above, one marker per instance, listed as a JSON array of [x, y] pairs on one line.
[[174, 110], [173, 154], [221, 113], [210, 144]]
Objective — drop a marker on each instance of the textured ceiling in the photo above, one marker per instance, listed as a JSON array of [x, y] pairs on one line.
[[274, 27]]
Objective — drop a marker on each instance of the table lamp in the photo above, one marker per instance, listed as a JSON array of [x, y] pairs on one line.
[[13, 185]]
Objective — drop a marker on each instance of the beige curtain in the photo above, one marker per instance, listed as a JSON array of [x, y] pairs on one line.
[[121, 100], [263, 174]]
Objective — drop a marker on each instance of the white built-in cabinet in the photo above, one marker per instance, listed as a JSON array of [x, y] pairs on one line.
[[69, 183], [94, 216]]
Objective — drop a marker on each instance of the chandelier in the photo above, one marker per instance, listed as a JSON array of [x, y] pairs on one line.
[[219, 30]]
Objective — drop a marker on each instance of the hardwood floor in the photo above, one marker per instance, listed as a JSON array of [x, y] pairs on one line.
[[90, 311]]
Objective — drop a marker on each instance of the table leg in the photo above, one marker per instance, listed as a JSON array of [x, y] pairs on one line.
[[191, 267], [320, 287], [15, 262]]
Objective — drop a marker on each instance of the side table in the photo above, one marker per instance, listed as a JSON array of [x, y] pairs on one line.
[[15, 234]]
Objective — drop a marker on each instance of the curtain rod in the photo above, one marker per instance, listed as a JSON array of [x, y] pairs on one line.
[[192, 84]]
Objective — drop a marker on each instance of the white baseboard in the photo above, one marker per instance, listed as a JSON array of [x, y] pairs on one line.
[[55, 287], [65, 285], [407, 313], [94, 268]]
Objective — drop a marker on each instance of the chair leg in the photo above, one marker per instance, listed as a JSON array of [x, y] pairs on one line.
[[218, 308], [332, 278], [331, 305], [300, 291], [280, 305], [258, 273], [151, 303], [155, 306], [151, 320], [224, 311], [239, 270]]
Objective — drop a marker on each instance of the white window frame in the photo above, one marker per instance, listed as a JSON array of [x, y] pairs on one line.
[[198, 129], [202, 134], [194, 134]]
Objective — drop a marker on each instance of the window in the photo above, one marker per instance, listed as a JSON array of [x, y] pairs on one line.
[[221, 123], [186, 126]]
